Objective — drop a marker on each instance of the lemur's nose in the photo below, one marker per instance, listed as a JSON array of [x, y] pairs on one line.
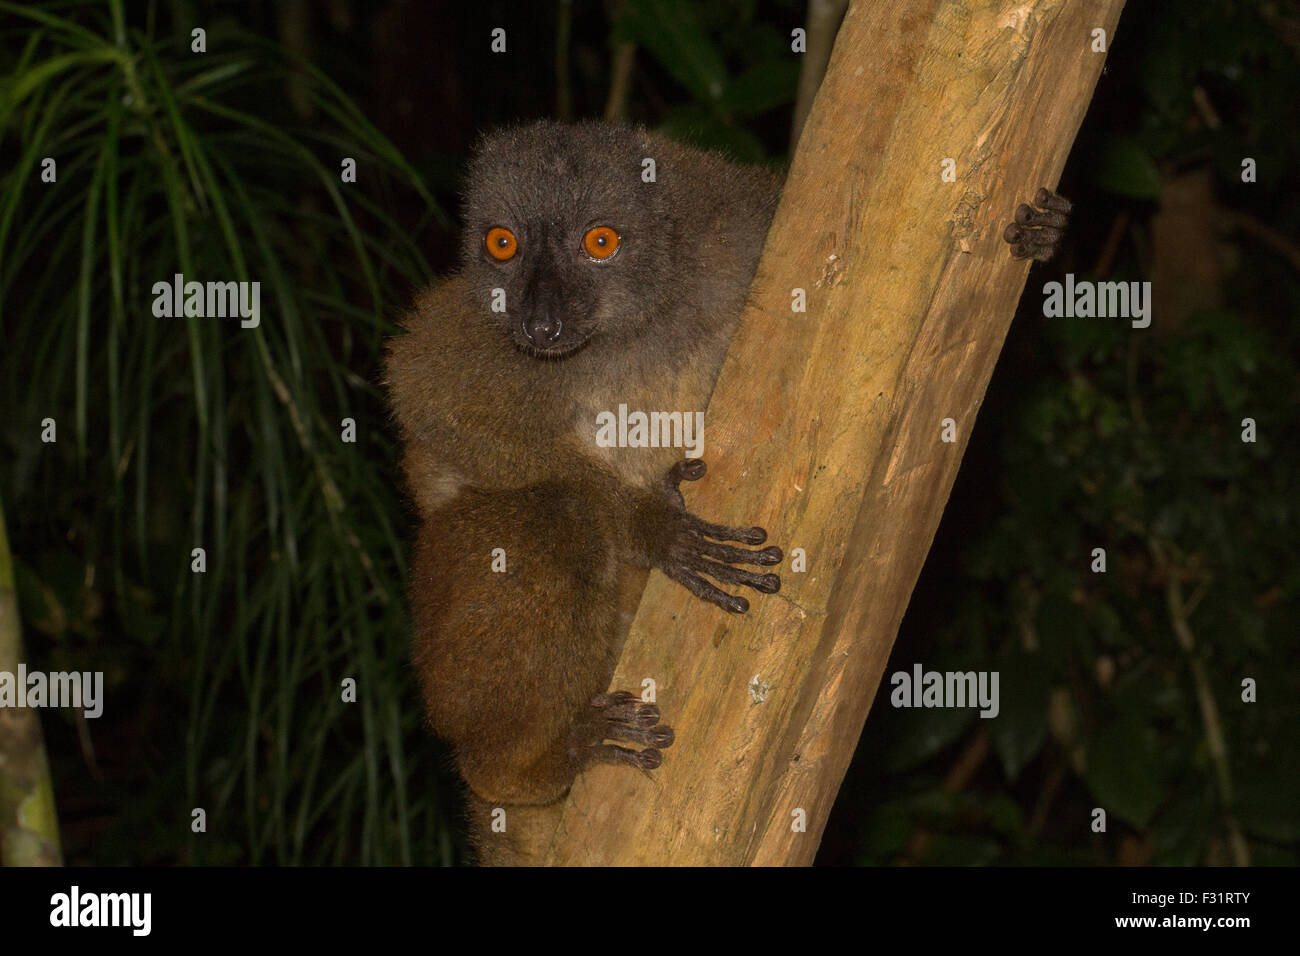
[[542, 329]]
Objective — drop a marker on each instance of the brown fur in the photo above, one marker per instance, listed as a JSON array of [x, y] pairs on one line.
[[500, 448]]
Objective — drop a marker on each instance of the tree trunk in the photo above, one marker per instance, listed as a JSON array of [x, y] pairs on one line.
[[29, 829], [825, 426]]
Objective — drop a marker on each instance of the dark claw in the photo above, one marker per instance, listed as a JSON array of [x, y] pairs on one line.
[[688, 469], [722, 532], [724, 552], [657, 736], [767, 583], [641, 759], [622, 707], [614, 698], [705, 591], [1026, 216], [1046, 199]]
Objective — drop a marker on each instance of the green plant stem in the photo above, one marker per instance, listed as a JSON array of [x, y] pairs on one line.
[[1179, 615]]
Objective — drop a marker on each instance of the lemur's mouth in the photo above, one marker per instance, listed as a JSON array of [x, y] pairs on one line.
[[562, 347]]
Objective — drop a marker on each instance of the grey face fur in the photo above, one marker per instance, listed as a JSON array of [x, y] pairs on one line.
[[549, 184]]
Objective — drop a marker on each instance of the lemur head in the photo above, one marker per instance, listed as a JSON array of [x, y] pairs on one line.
[[566, 244]]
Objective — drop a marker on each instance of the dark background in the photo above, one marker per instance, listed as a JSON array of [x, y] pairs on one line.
[[223, 688]]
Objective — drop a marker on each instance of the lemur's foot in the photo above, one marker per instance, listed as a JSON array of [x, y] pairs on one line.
[[620, 715], [688, 552], [1036, 233]]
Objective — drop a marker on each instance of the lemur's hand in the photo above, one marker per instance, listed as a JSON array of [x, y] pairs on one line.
[[684, 546], [1036, 233]]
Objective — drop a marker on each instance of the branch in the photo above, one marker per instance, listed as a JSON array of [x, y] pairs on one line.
[[825, 427]]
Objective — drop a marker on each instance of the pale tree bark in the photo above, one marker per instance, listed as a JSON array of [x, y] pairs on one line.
[[824, 18], [29, 829], [825, 426]]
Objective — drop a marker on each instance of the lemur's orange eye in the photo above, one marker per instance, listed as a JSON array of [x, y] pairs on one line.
[[501, 243], [601, 242]]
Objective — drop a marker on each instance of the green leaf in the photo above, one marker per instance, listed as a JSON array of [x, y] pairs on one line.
[[1268, 799], [671, 30], [960, 850], [1126, 168], [760, 89], [188, 166], [1122, 769], [1020, 727], [919, 734]]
